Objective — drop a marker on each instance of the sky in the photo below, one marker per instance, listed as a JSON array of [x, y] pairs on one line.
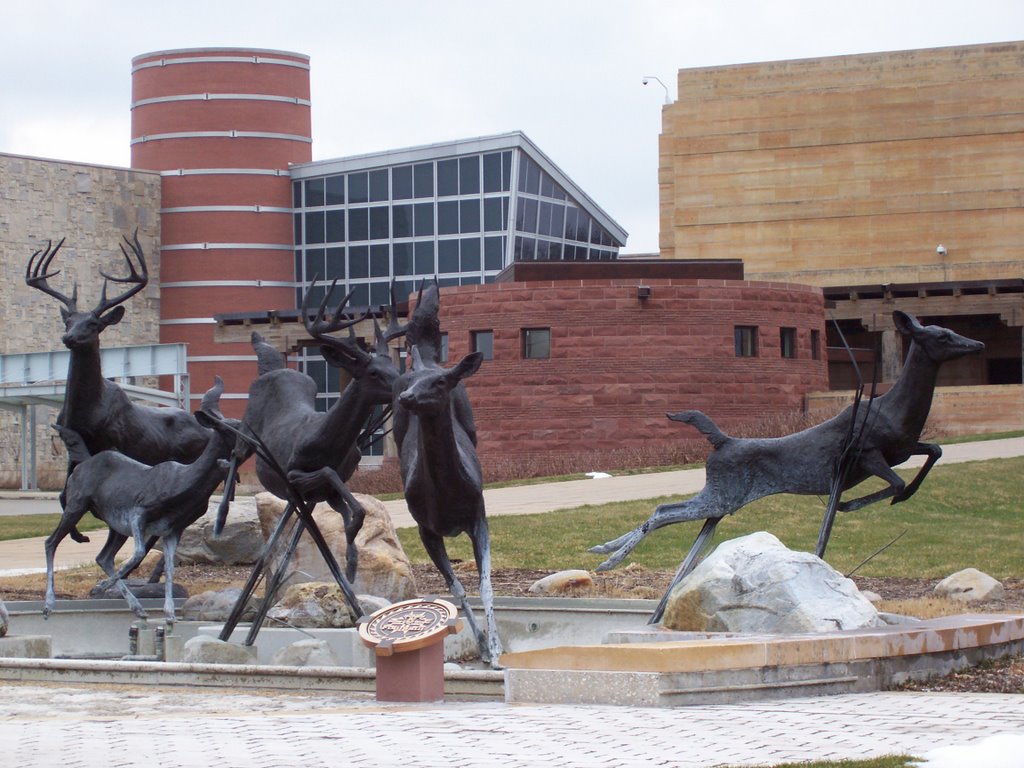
[[388, 75]]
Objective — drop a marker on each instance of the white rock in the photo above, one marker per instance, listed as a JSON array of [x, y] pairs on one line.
[[597, 475], [4, 619], [871, 597], [754, 584], [384, 569], [306, 653], [563, 581], [216, 605], [203, 649], [318, 605], [969, 585]]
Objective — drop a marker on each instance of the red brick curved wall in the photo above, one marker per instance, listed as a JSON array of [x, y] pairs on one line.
[[618, 363]]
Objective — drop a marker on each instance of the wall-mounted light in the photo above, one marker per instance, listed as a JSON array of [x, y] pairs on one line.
[[648, 78], [643, 292]]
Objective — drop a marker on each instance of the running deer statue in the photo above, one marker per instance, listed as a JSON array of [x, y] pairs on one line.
[[95, 408], [863, 442], [141, 502], [436, 438]]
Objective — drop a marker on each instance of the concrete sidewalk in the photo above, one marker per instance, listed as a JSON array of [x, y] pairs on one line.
[[26, 555]]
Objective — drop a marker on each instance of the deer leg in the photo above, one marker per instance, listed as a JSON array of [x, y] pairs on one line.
[[130, 565], [688, 564], [434, 544], [273, 584], [306, 516], [105, 557], [482, 554], [67, 524], [934, 453], [874, 463], [170, 545], [351, 511]]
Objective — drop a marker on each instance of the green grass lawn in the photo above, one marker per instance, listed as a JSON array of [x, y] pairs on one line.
[[28, 526], [964, 515]]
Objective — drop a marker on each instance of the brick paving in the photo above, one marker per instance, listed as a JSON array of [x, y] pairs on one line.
[[110, 726]]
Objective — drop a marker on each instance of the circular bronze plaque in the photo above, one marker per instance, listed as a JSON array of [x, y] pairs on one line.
[[409, 625]]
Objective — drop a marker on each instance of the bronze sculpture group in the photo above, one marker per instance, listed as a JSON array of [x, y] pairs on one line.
[[149, 473]]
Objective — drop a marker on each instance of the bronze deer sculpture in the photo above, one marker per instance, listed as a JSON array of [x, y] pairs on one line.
[[141, 502], [884, 434], [436, 438]]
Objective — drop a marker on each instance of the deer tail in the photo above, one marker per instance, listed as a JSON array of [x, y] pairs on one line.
[[267, 358], [707, 427]]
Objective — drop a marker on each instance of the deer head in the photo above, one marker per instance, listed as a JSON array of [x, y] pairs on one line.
[[940, 344], [83, 328], [427, 389]]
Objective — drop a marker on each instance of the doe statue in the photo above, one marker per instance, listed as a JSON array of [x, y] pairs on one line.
[[826, 459]]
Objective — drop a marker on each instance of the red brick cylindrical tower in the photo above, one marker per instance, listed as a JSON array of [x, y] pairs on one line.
[[222, 126]]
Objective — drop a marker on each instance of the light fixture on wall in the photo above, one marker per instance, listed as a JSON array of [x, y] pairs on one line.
[[643, 292], [648, 78]]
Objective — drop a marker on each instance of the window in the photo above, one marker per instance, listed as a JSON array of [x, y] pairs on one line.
[[335, 190], [536, 343], [746, 340], [815, 345], [482, 341], [787, 342], [444, 348]]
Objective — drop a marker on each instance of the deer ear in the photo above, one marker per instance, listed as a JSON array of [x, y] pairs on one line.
[[339, 359], [113, 317], [905, 324], [467, 366]]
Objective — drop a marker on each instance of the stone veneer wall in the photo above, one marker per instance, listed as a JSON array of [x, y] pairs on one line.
[[91, 206], [618, 363]]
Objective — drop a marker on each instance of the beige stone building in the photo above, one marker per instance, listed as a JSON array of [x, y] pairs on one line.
[[888, 179]]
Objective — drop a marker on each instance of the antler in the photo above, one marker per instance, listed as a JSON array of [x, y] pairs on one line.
[[320, 327], [37, 273], [395, 329], [137, 279]]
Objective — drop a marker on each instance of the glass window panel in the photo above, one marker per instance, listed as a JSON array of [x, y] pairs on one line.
[[582, 228], [401, 182], [425, 258], [403, 288], [595, 233], [547, 186], [444, 347], [471, 280], [296, 194], [314, 264], [517, 249], [358, 224], [378, 185], [401, 221], [504, 213], [555, 251], [402, 255], [335, 264], [317, 370], [380, 293], [570, 222], [506, 171], [447, 282], [492, 214], [333, 382], [315, 227], [469, 215], [559, 193], [536, 343], [815, 345], [379, 223], [483, 342], [470, 254], [358, 263], [314, 192], [448, 217], [745, 337], [787, 342], [544, 222], [335, 226], [316, 294], [520, 215], [557, 217], [360, 294], [469, 175], [423, 176], [358, 191], [542, 250], [533, 174], [494, 253], [492, 172], [379, 266], [529, 215], [297, 226], [447, 256], [524, 161], [424, 214], [335, 190], [298, 266], [529, 249], [447, 177]]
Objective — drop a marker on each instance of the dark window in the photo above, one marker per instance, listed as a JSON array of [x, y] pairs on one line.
[[358, 191], [359, 266], [448, 217], [425, 258], [315, 227], [297, 233], [787, 342], [529, 249], [470, 254], [582, 227], [314, 264], [314, 192], [360, 295], [379, 266], [815, 345], [335, 226], [571, 215], [448, 256], [378, 185], [547, 186], [543, 250], [494, 253], [358, 224], [335, 190], [317, 370], [379, 223], [557, 214], [482, 341], [536, 343], [469, 175], [555, 251], [401, 182], [447, 177], [492, 172], [444, 347], [492, 214], [335, 264], [380, 293], [423, 177], [469, 215], [544, 222], [533, 174], [402, 255], [506, 171], [529, 215], [296, 194], [401, 221], [424, 219], [745, 337], [523, 162]]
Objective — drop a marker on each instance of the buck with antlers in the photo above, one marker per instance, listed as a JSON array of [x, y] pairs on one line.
[[95, 408], [141, 502], [436, 438]]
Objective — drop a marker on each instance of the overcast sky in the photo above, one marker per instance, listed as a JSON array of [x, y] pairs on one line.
[[387, 75]]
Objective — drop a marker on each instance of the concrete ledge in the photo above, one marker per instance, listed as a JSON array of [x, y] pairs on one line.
[[26, 647]]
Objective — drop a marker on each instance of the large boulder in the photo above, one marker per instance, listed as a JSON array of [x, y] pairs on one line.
[[240, 542], [216, 605], [313, 605], [753, 584], [4, 619], [384, 569], [969, 585]]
